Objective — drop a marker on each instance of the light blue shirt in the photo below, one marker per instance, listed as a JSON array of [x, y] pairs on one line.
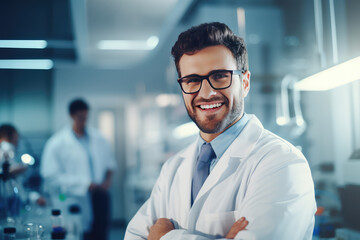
[[224, 140]]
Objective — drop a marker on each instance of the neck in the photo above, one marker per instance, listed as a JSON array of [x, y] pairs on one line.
[[79, 131], [208, 137]]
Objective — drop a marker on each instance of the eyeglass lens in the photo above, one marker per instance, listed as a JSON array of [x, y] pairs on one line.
[[218, 80]]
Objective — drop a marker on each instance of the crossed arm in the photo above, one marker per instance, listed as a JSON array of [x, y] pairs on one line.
[[163, 225], [279, 202]]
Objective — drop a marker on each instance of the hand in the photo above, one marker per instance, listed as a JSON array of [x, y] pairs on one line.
[[106, 185], [160, 228], [18, 170], [99, 187], [93, 187], [238, 226]]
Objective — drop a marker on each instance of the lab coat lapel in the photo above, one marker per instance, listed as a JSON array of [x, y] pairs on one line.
[[185, 172], [226, 166], [79, 152], [233, 156]]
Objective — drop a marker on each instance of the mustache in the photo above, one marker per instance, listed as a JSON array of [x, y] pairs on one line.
[[202, 100]]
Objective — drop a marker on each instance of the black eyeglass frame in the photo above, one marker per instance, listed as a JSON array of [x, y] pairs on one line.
[[233, 72]]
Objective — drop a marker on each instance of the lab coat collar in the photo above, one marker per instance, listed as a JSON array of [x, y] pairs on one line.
[[246, 141], [233, 156]]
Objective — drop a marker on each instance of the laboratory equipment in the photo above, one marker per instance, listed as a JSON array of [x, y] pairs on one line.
[[9, 233], [73, 228], [56, 220], [10, 199], [58, 230], [58, 235], [33, 230]]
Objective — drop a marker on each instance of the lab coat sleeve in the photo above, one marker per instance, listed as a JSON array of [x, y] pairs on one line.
[[182, 234], [279, 203], [56, 177], [155, 208], [139, 226]]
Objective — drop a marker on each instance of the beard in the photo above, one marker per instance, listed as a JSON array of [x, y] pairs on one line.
[[211, 124]]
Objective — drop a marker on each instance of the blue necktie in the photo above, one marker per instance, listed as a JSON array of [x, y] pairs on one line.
[[202, 169]]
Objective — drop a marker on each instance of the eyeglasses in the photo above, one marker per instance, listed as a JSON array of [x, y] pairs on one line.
[[218, 79]]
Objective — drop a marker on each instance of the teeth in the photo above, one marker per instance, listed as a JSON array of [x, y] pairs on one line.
[[216, 105]]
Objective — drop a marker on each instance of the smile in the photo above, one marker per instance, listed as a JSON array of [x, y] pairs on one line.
[[211, 106]]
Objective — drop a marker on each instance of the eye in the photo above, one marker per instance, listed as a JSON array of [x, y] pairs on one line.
[[220, 75], [192, 80]]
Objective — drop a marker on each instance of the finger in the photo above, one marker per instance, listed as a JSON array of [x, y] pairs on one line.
[[243, 224], [238, 226], [163, 221]]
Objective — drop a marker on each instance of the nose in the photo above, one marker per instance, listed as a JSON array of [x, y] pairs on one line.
[[206, 91]]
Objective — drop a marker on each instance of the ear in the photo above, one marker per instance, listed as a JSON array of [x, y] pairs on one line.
[[246, 83]]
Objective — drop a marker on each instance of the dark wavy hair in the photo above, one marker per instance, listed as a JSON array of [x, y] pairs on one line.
[[77, 105], [206, 35], [8, 131]]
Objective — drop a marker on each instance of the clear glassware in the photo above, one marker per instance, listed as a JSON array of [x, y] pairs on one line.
[[33, 231], [74, 223], [56, 219]]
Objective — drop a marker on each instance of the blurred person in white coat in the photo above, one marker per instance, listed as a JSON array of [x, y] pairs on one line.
[[237, 180], [9, 139], [77, 163]]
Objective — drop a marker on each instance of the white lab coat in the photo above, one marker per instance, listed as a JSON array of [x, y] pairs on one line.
[[65, 168], [260, 176]]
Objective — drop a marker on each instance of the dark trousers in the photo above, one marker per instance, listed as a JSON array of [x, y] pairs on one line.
[[101, 216]]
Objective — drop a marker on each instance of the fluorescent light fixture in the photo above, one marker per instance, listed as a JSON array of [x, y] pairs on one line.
[[149, 44], [331, 78], [26, 64], [185, 130], [152, 41], [37, 44]]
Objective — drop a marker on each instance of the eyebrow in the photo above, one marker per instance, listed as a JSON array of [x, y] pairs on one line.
[[212, 71]]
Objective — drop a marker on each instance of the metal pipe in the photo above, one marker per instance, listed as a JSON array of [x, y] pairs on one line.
[[319, 32], [333, 32]]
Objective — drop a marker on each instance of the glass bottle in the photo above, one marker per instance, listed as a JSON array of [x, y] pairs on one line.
[[74, 227], [56, 220], [9, 233]]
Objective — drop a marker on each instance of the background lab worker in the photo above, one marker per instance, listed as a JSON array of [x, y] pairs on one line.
[[10, 136], [78, 161], [236, 169]]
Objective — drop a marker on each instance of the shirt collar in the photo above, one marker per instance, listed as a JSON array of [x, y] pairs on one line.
[[85, 136], [224, 140]]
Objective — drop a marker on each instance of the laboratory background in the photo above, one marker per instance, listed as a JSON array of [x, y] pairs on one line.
[[304, 59]]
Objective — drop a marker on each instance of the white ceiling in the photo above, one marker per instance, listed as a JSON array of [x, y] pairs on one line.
[[118, 20]]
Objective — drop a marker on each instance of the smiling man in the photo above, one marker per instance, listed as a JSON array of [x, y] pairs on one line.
[[237, 180]]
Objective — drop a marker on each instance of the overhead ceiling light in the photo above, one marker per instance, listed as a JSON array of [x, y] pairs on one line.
[[152, 41], [37, 44], [149, 44], [331, 78], [41, 64]]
